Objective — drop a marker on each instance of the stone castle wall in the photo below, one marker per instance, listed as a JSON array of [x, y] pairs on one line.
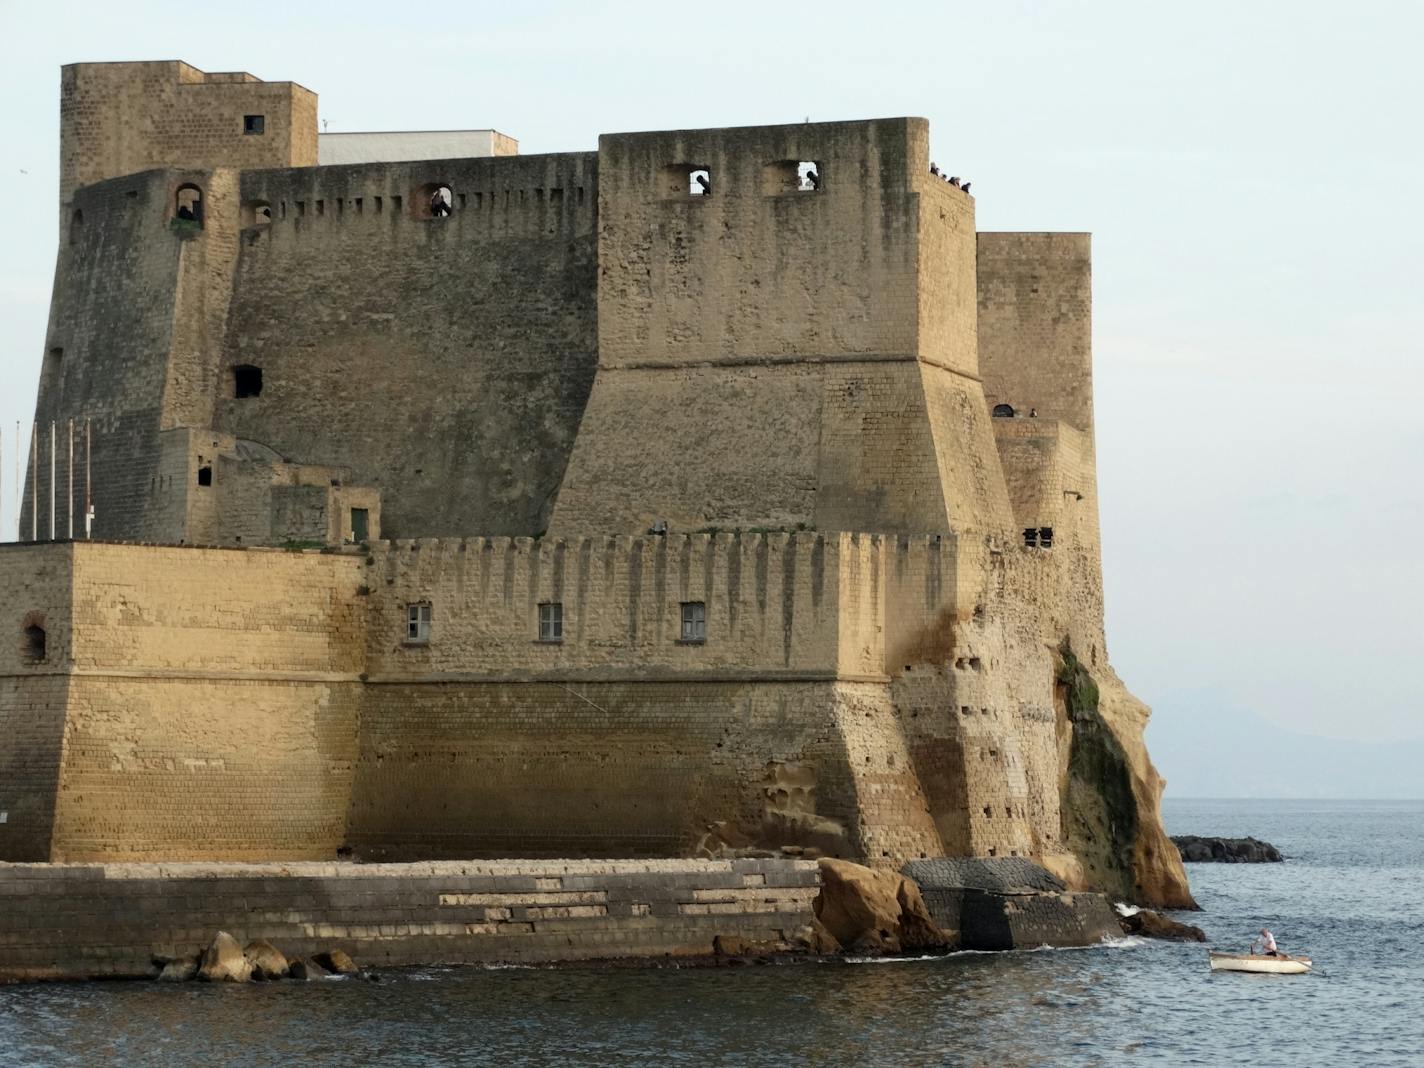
[[209, 704], [641, 387], [476, 331], [228, 704]]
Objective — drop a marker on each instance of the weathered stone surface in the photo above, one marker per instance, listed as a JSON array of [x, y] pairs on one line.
[[870, 911], [1151, 924], [1000, 874], [1197, 849], [179, 970], [738, 946], [816, 939], [850, 390], [303, 968], [1027, 920], [266, 960], [224, 961], [1010, 903], [337, 962]]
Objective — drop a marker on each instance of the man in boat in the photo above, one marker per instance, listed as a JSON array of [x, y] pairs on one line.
[[1267, 942]]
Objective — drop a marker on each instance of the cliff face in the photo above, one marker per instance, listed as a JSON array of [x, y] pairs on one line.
[[1111, 792]]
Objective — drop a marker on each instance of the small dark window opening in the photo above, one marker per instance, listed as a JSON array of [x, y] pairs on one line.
[[246, 381], [694, 621], [360, 524], [35, 643], [188, 204], [254, 124], [1045, 537], [1004, 411], [75, 223], [205, 475], [551, 621]]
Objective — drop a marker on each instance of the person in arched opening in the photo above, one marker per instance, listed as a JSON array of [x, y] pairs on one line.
[[439, 205], [185, 212]]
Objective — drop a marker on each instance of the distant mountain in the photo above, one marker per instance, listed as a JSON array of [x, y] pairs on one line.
[[1207, 748]]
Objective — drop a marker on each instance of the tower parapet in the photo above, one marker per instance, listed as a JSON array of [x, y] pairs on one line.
[[119, 118]]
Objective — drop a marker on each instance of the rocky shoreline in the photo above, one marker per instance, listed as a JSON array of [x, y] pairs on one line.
[[1197, 849], [243, 923], [858, 911]]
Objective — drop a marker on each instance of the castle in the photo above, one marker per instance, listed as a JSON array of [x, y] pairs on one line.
[[712, 492]]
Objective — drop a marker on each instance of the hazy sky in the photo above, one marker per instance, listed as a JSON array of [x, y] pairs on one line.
[[1250, 173]]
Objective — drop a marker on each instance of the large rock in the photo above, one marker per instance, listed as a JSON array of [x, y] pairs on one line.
[[1198, 850], [1151, 924], [302, 969], [266, 960], [870, 911], [224, 961], [815, 939], [337, 962], [178, 969], [738, 948]]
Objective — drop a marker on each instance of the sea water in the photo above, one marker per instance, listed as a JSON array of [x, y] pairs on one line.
[[1351, 896]]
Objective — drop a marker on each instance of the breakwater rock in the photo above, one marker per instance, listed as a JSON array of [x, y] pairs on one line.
[[875, 911], [1196, 849], [1010, 903], [1149, 924], [225, 960]]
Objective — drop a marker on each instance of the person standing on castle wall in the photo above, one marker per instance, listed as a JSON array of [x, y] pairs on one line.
[[439, 206]]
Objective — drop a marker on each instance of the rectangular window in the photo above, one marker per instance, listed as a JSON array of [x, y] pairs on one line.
[[694, 621], [417, 622], [254, 124], [360, 524], [551, 621]]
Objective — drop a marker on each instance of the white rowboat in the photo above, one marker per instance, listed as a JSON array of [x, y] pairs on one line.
[[1252, 962]]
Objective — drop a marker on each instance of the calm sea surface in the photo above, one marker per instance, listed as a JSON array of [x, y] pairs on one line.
[[1352, 896]]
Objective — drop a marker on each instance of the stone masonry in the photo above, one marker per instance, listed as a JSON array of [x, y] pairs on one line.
[[648, 502]]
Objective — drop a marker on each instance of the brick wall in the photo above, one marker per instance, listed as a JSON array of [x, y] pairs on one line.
[[210, 707]]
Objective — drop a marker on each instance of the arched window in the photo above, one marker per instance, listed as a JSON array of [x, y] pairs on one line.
[[434, 200], [1004, 411], [257, 213], [32, 646], [188, 205]]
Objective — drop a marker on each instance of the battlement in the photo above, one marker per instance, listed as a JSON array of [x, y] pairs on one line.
[[483, 197]]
